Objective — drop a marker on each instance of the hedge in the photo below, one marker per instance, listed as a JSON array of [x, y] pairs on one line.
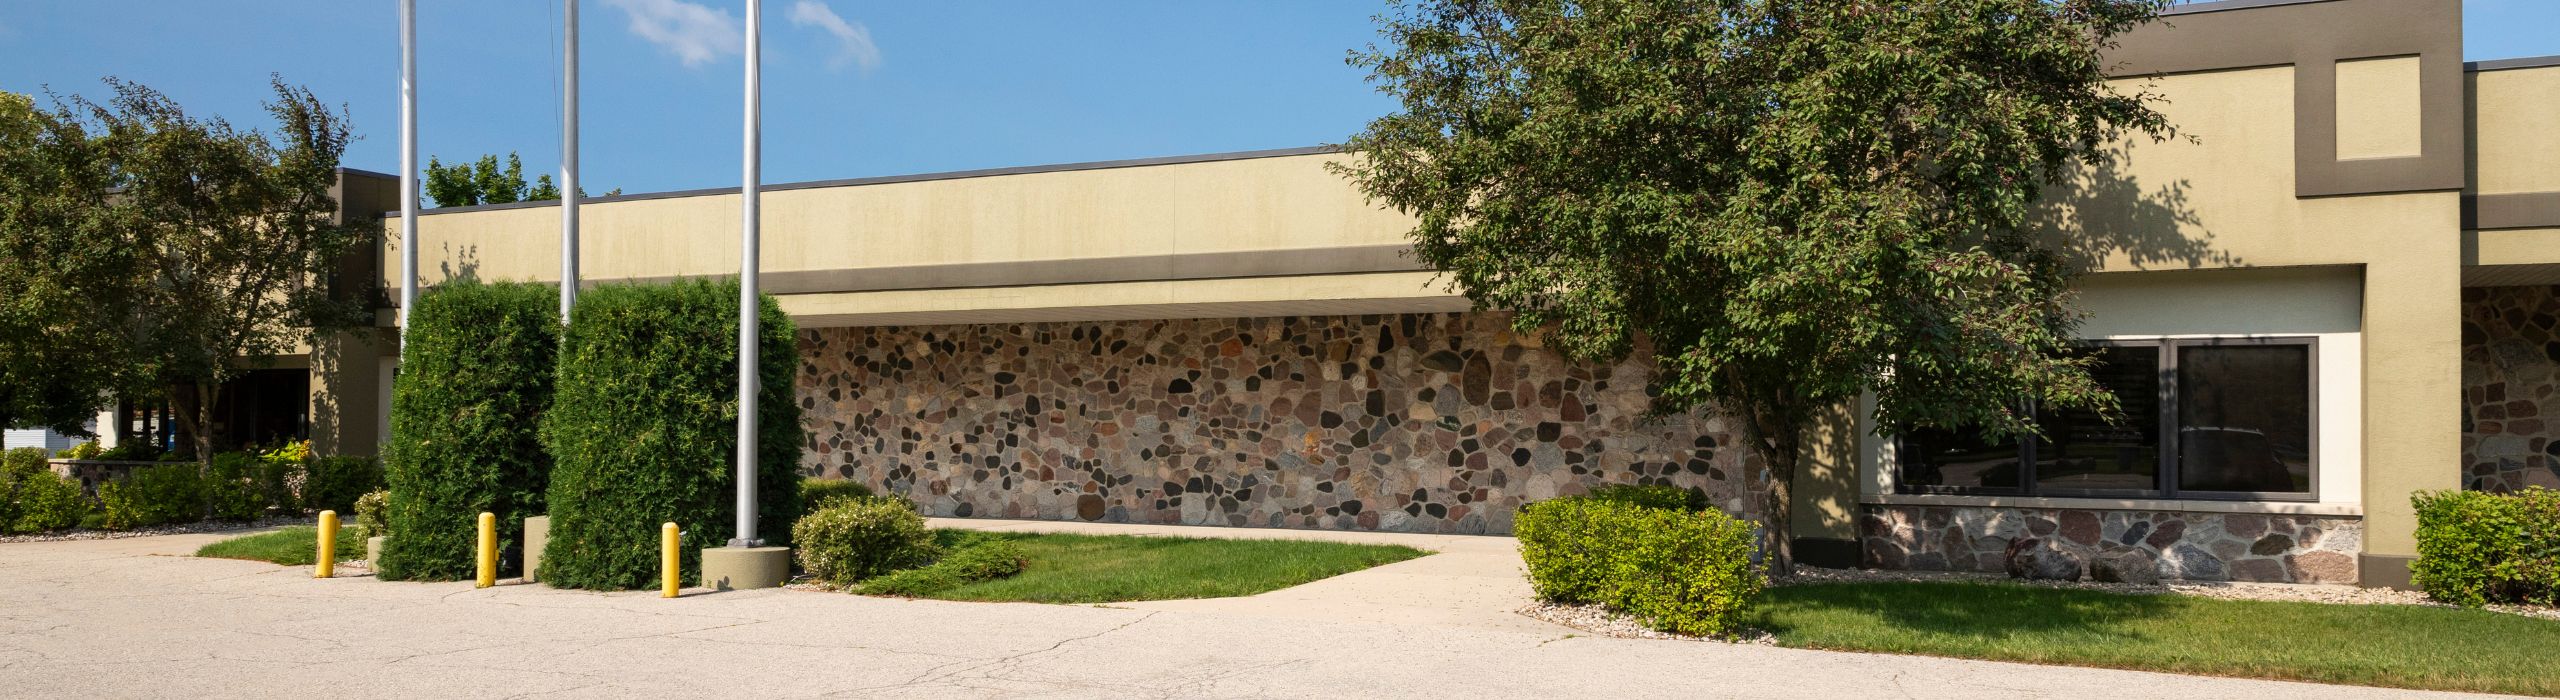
[[41, 501], [1681, 571], [2476, 547], [476, 377], [643, 431], [147, 496]]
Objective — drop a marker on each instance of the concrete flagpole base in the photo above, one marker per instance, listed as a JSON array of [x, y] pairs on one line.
[[741, 568]]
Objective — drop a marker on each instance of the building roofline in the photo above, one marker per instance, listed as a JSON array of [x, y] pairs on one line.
[[2512, 63], [2197, 8], [895, 179]]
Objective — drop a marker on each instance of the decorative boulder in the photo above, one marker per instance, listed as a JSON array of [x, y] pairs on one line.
[[2129, 566], [2037, 558]]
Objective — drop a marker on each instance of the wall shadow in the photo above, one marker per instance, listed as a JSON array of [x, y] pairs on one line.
[[2102, 214]]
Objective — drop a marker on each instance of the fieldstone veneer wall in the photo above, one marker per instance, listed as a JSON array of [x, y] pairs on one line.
[[2195, 546], [2510, 370], [1414, 423]]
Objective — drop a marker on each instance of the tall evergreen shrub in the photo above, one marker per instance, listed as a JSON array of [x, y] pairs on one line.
[[475, 379], [644, 431]]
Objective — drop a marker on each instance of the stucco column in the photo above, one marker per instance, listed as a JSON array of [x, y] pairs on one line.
[[2413, 390]]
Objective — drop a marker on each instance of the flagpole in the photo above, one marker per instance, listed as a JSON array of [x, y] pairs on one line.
[[569, 167], [408, 164], [748, 296]]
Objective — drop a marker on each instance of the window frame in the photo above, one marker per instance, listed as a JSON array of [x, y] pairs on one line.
[[2166, 475]]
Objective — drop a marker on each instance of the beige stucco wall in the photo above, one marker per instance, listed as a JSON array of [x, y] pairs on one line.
[[2377, 105], [2515, 140], [1218, 206]]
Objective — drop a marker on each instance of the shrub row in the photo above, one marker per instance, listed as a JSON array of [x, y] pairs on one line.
[[642, 430], [2476, 547], [1679, 570], [236, 486], [477, 371]]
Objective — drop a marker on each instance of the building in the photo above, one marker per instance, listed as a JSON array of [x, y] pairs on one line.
[[2339, 293]]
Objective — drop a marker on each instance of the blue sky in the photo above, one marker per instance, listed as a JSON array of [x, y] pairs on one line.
[[852, 88]]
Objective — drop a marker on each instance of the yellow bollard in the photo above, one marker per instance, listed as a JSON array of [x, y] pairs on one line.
[[327, 561], [488, 550], [670, 561]]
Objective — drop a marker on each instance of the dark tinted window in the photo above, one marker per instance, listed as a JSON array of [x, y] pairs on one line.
[[2244, 417], [1958, 458], [2084, 452]]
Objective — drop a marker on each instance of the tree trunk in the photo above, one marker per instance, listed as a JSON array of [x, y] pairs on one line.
[[1779, 442], [196, 415]]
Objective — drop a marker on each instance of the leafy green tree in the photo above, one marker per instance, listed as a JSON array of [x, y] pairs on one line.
[[233, 232], [1786, 203], [486, 182], [66, 253]]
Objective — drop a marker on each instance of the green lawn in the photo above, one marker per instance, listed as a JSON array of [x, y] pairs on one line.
[[2399, 646], [291, 546], [1104, 569]]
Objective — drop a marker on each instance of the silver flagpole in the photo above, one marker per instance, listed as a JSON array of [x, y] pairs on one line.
[[569, 168], [747, 293], [408, 164]]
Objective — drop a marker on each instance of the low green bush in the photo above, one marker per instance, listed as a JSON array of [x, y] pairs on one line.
[[1680, 571], [2477, 547], [45, 502], [235, 486], [372, 520], [817, 492], [1654, 496], [984, 561], [848, 540], [85, 450], [335, 483], [643, 430], [22, 461], [477, 373], [169, 493]]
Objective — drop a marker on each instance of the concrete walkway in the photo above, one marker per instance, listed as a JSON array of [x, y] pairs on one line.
[[123, 618]]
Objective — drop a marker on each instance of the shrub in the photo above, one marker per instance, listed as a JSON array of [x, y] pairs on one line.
[[233, 486], [848, 540], [127, 452], [817, 492], [1656, 496], [1687, 572], [172, 493], [2476, 547], [23, 461], [985, 561], [85, 450], [337, 483], [643, 431], [47, 502], [371, 520], [476, 379]]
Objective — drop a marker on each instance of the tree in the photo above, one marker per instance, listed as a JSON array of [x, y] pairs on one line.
[[1788, 203], [233, 232], [66, 252], [484, 182]]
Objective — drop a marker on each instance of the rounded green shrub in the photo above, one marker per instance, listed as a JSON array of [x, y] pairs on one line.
[[335, 483], [643, 431], [817, 492], [476, 379], [22, 461], [236, 486], [848, 540], [45, 501], [372, 520], [1651, 496], [2477, 547], [168, 493], [1680, 571]]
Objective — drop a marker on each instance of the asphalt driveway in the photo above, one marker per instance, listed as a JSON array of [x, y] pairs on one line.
[[126, 618]]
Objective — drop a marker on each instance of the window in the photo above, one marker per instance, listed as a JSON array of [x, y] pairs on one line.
[[2217, 418]]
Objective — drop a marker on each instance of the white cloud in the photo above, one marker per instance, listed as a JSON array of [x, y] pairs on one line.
[[857, 48], [696, 34]]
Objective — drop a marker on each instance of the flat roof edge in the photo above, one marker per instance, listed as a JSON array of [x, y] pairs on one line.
[[2512, 63], [2197, 8], [895, 179]]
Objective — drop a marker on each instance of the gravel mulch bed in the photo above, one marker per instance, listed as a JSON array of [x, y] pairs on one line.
[[175, 529], [1604, 622]]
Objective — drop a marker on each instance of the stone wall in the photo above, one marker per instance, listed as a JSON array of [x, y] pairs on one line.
[[2510, 370], [2194, 546], [1414, 423]]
